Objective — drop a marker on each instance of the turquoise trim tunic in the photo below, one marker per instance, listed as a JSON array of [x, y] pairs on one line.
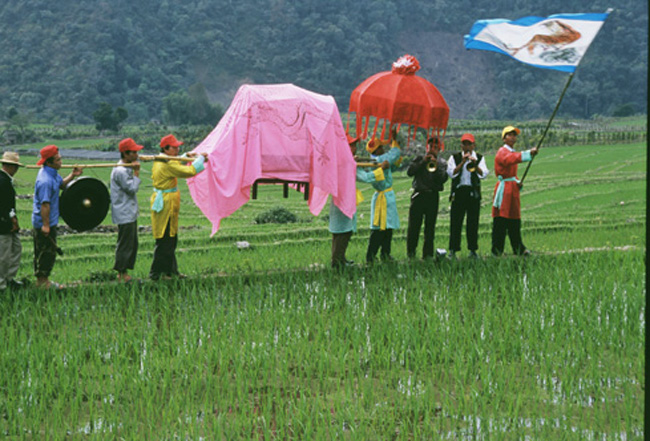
[[392, 218], [339, 222]]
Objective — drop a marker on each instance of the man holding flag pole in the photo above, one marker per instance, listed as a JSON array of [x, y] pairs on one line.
[[556, 42], [506, 211]]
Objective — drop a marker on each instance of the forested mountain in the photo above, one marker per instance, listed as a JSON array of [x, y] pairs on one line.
[[62, 58]]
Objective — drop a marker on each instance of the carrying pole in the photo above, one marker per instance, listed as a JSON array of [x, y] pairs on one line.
[[87, 165], [143, 158]]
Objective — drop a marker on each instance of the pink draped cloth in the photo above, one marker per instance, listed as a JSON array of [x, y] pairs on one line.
[[277, 131]]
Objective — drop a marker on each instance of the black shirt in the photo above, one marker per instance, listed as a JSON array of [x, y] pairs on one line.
[[423, 179], [7, 202]]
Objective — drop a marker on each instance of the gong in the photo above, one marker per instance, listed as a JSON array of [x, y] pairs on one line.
[[84, 203]]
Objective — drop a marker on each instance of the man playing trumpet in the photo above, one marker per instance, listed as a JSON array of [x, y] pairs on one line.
[[429, 174], [466, 169]]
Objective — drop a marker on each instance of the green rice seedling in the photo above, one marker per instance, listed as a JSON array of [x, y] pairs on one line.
[[268, 342]]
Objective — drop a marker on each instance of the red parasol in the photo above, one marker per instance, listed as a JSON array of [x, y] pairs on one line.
[[399, 97]]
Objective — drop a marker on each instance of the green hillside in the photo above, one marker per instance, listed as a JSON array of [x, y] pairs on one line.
[[61, 59]]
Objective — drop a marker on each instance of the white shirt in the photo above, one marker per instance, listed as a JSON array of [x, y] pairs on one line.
[[465, 175], [124, 201]]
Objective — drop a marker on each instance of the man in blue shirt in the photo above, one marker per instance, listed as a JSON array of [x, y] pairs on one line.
[[45, 215]]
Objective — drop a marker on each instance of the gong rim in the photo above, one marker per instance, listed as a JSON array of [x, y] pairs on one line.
[[84, 203]]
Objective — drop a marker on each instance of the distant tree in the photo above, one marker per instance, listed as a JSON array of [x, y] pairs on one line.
[[20, 124], [177, 108], [11, 112], [191, 107], [108, 119], [627, 109]]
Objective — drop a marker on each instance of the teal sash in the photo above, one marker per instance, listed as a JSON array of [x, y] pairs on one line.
[[498, 196], [158, 202]]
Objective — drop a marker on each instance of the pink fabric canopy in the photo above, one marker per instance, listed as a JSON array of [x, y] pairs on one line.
[[277, 131]]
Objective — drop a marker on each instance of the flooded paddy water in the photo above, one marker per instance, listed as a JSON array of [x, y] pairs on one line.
[[543, 350]]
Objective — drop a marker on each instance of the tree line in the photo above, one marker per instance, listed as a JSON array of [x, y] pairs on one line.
[[181, 61]]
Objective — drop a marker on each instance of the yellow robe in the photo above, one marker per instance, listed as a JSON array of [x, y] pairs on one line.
[[164, 176]]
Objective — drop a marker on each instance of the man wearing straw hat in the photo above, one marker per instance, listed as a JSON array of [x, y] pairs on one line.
[[506, 207], [125, 182], [10, 247], [165, 206], [45, 214]]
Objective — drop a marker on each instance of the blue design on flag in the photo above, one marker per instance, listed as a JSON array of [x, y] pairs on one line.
[[556, 42]]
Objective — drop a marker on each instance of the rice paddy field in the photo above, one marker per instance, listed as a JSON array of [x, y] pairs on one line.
[[267, 342]]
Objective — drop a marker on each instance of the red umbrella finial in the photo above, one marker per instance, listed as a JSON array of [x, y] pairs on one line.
[[406, 65]]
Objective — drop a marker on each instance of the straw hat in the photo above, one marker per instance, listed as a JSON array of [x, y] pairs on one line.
[[11, 158]]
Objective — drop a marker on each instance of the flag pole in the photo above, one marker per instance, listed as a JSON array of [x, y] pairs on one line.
[[548, 125]]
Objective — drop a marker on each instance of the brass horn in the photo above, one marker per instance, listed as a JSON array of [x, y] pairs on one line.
[[432, 165]]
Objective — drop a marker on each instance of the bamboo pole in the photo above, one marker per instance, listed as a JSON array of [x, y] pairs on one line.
[[87, 165], [165, 158], [368, 164], [143, 158]]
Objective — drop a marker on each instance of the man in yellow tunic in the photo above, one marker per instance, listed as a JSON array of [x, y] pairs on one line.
[[165, 206]]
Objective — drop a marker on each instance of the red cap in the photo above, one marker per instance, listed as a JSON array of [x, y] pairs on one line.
[[47, 152], [467, 137], [170, 140], [129, 145]]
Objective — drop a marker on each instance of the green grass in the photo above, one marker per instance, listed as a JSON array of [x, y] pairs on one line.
[[269, 343]]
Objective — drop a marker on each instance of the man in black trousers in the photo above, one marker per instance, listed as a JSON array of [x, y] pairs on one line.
[[466, 169], [429, 174]]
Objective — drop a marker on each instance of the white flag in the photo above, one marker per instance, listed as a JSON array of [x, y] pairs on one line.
[[556, 42]]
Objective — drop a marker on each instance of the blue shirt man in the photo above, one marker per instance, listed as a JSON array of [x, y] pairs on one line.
[[46, 190], [45, 215]]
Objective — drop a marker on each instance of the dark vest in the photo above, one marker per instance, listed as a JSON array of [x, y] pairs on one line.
[[475, 180], [7, 202]]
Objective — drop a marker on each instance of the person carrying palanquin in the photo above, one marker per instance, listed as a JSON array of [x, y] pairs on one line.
[[125, 182], [10, 246], [165, 206], [506, 206], [383, 212], [45, 213], [342, 226]]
